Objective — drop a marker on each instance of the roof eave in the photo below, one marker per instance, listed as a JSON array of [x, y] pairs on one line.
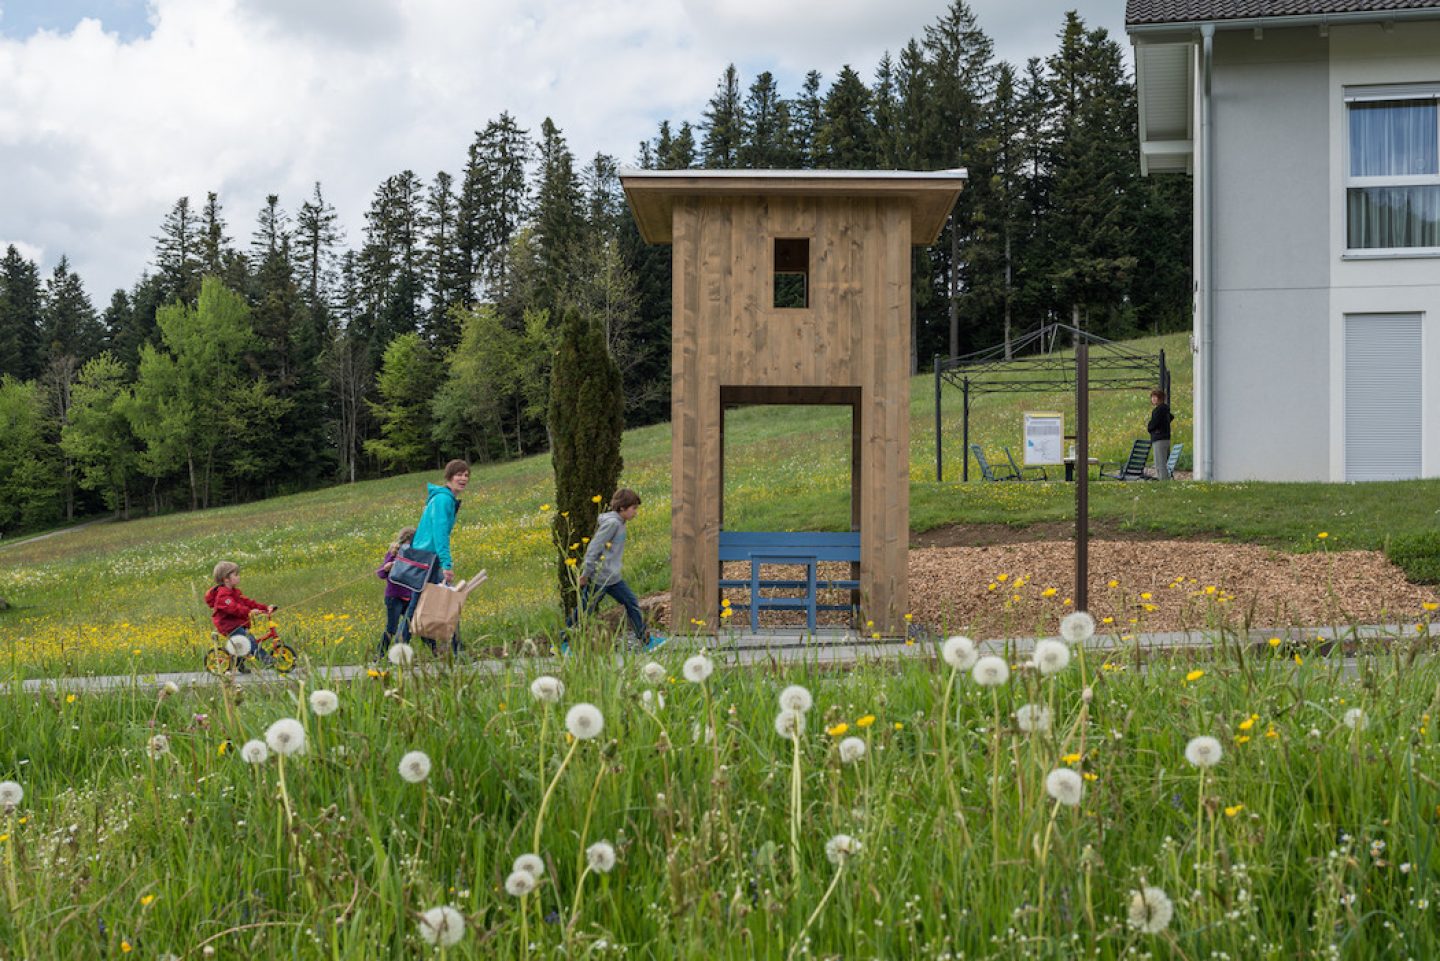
[[1169, 32]]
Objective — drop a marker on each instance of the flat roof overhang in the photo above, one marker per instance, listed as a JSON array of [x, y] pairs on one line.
[[930, 194]]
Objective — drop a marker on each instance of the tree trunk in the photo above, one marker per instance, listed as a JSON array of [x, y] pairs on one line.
[[194, 494], [1007, 292]]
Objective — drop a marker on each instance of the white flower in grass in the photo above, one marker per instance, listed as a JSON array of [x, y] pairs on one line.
[[841, 848], [254, 752], [415, 766], [443, 926], [796, 698], [237, 645], [1203, 751], [584, 721], [520, 883], [11, 794], [1065, 786], [698, 668], [158, 746], [1052, 657], [286, 736], [1033, 718], [1355, 719], [601, 857], [531, 864], [654, 672], [1150, 910], [653, 700], [991, 671], [168, 689], [959, 652], [324, 702], [1077, 628], [547, 689], [401, 655], [789, 723], [852, 749]]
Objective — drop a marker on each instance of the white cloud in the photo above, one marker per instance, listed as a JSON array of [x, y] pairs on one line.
[[99, 136]]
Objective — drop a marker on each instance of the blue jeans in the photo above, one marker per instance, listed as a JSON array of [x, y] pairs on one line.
[[395, 621], [436, 576], [590, 596], [255, 649]]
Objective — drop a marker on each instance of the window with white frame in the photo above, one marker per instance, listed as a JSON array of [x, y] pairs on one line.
[[1392, 187]]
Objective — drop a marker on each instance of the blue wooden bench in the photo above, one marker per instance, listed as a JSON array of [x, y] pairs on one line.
[[798, 548]]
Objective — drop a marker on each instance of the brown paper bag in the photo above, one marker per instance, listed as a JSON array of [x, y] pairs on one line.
[[437, 615]]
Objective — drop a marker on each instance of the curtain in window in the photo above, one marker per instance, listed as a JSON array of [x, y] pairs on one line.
[[1393, 138], [1393, 217]]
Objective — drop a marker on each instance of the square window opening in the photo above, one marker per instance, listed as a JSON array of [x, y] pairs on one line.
[[792, 272]]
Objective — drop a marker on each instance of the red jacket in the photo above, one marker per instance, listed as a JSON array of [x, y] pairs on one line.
[[231, 608]]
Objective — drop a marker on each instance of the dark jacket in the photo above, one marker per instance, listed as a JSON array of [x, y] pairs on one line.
[[1159, 426]]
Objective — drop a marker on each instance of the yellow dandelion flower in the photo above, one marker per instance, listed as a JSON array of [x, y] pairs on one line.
[[992, 586], [1271, 732], [145, 901], [1299, 659], [1107, 620], [1274, 642], [1323, 534], [725, 602], [1233, 810], [1002, 578], [1145, 596], [727, 612], [1151, 608], [595, 499], [544, 507], [1194, 675], [865, 721], [1249, 722], [70, 698], [125, 947], [1242, 739], [875, 636], [909, 618], [909, 642], [136, 652], [1210, 589], [1071, 758], [901, 727], [1067, 602], [838, 729], [4, 838], [1015, 597], [1430, 605], [1113, 583], [1048, 592], [1090, 776], [570, 562]]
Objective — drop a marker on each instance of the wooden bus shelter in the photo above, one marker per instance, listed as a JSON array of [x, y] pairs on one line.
[[791, 287]]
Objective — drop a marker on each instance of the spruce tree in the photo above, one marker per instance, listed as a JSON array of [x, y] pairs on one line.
[[177, 253], [317, 234], [766, 127], [559, 217], [722, 124], [845, 140], [441, 263], [494, 198], [587, 419], [806, 117], [21, 355]]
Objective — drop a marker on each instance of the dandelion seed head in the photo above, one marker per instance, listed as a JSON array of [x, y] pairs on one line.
[[442, 926], [415, 766], [796, 698], [1052, 657], [841, 848], [1033, 718], [1077, 627], [698, 668], [237, 645], [1065, 786], [286, 736], [324, 702], [584, 721], [653, 700], [601, 857], [851, 749], [789, 723], [254, 752], [1203, 751], [531, 864], [547, 689], [169, 689], [959, 652], [991, 671], [1150, 910], [11, 794], [654, 672], [158, 746], [519, 883], [401, 655], [1355, 719]]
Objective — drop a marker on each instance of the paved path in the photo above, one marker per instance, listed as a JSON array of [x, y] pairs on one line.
[[773, 647], [56, 533]]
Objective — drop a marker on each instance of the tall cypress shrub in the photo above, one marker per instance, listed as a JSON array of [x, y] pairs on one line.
[[587, 417]]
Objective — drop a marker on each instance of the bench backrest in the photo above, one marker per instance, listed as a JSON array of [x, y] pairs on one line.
[[1174, 457], [1139, 456], [985, 470], [822, 545]]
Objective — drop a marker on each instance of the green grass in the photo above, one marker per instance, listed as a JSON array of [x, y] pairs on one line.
[[124, 597], [1308, 840]]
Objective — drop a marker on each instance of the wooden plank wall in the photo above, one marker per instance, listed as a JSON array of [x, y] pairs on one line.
[[855, 333]]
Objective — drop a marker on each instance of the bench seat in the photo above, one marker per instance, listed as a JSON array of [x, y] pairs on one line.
[[806, 549]]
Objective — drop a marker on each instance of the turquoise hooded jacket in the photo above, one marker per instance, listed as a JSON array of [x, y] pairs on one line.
[[433, 531]]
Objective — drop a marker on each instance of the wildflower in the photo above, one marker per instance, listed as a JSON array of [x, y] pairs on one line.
[[838, 729], [789, 723], [1077, 628], [1233, 810], [899, 726], [601, 857], [570, 561], [1242, 739], [841, 848], [1431, 606], [254, 752], [698, 668], [286, 736], [324, 702], [1274, 642], [1033, 718], [796, 698], [959, 652], [653, 672], [1072, 758], [531, 864], [991, 671], [1065, 786], [1322, 535], [146, 900], [70, 698], [1194, 676], [852, 749], [1002, 578], [595, 499], [1048, 592], [158, 746], [1299, 660], [11, 794], [547, 689], [520, 883], [1107, 620], [236, 645], [401, 655], [415, 766], [865, 721], [1355, 719], [1051, 657], [168, 689], [1150, 910], [1203, 751], [1113, 583], [125, 947], [653, 700], [584, 721], [1249, 722], [443, 926]]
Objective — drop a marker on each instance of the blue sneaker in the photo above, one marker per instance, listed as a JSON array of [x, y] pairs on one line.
[[655, 642], [564, 648]]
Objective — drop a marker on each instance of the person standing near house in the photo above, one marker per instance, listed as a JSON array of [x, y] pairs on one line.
[[442, 504], [1159, 428]]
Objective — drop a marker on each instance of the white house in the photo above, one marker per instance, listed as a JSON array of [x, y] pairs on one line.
[[1312, 129]]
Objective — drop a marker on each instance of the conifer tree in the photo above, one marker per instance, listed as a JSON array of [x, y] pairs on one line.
[[317, 234], [722, 127], [766, 127], [559, 217], [177, 253], [806, 116], [21, 355], [441, 263], [845, 138], [494, 198]]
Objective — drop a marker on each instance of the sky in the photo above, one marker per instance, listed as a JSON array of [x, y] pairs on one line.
[[111, 110]]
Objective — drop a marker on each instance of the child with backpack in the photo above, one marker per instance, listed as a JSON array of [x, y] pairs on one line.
[[397, 597]]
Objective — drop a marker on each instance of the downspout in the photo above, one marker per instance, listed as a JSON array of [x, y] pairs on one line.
[[1207, 258]]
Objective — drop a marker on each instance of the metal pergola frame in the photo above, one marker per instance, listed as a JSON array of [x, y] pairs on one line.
[[1112, 366]]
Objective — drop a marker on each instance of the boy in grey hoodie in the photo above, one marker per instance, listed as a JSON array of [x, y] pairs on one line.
[[600, 572]]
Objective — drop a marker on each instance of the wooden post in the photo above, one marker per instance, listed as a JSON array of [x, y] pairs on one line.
[[965, 440], [939, 470], [1082, 480]]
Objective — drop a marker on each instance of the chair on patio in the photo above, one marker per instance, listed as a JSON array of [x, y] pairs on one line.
[[1170, 462], [1020, 471], [986, 471], [1134, 467]]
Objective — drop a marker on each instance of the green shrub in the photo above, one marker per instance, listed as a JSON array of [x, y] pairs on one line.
[[1418, 555]]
